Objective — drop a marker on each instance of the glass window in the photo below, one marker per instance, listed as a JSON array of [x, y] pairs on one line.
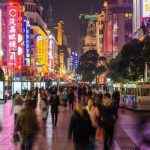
[[115, 16], [100, 31], [145, 92]]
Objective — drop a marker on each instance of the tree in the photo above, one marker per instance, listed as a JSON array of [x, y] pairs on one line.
[[129, 64], [89, 66], [115, 73]]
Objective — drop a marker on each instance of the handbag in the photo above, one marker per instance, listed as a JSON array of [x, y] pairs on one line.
[[100, 135], [16, 137]]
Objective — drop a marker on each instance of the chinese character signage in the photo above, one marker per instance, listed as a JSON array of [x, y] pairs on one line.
[[12, 37], [27, 49]]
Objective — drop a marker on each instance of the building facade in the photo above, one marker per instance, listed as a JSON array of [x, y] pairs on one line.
[[118, 26], [87, 32]]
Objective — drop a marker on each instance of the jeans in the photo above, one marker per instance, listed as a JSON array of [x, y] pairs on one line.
[[54, 118], [109, 135]]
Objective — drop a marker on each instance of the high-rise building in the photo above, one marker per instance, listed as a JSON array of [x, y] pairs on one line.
[[87, 32], [118, 27], [100, 33]]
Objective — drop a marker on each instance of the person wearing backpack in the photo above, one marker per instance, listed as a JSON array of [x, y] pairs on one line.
[[54, 102], [107, 120]]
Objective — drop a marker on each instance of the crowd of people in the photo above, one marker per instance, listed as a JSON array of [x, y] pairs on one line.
[[94, 114]]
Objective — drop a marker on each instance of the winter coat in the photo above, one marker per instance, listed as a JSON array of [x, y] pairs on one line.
[[54, 102], [27, 122], [80, 127], [44, 108], [107, 110]]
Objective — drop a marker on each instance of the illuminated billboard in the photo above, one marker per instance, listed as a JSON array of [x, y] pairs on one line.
[[12, 37], [146, 16], [146, 8], [27, 48]]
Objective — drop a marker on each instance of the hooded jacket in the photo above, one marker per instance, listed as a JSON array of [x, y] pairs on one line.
[[80, 127]]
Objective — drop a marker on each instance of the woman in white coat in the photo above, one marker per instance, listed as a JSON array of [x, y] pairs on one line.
[[44, 108]]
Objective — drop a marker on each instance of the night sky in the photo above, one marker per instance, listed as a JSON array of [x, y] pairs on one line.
[[68, 11]]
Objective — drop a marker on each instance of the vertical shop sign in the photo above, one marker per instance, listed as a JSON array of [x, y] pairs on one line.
[[12, 36]]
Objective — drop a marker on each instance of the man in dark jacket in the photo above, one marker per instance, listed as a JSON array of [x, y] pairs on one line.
[[80, 128], [107, 120], [54, 102], [116, 98], [27, 124]]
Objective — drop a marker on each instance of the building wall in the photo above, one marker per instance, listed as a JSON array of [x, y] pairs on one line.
[[88, 32], [118, 27], [100, 33]]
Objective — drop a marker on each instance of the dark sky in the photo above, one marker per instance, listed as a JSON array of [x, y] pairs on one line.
[[68, 11]]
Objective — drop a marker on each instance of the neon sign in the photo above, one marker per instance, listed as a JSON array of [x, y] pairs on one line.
[[12, 37], [26, 31]]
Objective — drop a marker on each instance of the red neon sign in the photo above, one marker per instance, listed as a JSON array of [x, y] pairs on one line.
[[12, 37]]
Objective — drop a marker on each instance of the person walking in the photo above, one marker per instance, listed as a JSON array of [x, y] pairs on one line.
[[65, 98], [71, 98], [93, 113], [17, 106], [28, 126], [54, 102], [80, 128], [43, 104], [116, 99], [107, 120]]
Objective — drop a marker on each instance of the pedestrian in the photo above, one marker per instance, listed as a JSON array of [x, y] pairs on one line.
[[28, 126], [116, 99], [93, 112], [17, 106], [71, 98], [80, 128], [107, 120], [65, 98], [43, 104], [54, 102]]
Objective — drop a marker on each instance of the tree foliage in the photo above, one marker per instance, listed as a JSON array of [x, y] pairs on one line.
[[129, 64], [146, 50], [89, 65]]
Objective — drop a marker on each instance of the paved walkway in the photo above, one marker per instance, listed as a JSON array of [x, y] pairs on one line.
[[56, 139]]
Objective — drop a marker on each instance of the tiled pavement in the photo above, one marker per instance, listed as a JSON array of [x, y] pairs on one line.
[[56, 139]]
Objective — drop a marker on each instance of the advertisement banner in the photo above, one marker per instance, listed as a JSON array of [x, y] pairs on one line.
[[26, 31], [146, 8], [12, 37]]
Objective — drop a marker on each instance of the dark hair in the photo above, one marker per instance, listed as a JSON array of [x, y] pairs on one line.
[[107, 95]]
